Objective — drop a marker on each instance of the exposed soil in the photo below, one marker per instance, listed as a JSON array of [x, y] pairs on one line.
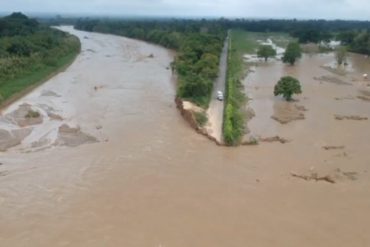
[[22, 116], [73, 137], [286, 112]]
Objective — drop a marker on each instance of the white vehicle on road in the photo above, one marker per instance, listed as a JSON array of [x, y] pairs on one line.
[[220, 96]]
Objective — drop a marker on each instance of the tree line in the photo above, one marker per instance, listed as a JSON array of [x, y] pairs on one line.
[[28, 50]]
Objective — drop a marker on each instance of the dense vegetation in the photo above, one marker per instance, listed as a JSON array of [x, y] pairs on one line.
[[30, 52], [356, 40], [199, 45], [234, 119]]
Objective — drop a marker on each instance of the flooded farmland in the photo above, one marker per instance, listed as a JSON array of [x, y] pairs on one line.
[[150, 180]]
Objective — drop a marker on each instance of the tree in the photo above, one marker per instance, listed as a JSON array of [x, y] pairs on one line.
[[292, 53], [341, 55], [266, 51], [287, 86]]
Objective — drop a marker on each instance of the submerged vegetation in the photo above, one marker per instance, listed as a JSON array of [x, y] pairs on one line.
[[199, 45], [266, 51], [29, 53], [287, 86], [292, 53]]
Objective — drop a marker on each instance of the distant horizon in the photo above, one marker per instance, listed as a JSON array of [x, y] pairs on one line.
[[230, 9], [137, 16]]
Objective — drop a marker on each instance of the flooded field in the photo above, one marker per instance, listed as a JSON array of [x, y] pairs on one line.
[[149, 180]]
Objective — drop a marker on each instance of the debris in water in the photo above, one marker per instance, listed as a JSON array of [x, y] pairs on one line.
[[315, 177], [274, 139], [333, 147], [351, 117]]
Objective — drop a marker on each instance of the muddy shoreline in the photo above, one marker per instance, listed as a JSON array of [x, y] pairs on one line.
[[189, 117]]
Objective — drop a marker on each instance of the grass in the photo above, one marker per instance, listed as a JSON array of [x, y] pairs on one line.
[[15, 88]]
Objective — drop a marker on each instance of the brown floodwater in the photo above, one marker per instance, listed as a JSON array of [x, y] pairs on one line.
[[152, 181]]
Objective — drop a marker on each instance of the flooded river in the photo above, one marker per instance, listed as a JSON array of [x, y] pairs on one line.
[[150, 180]]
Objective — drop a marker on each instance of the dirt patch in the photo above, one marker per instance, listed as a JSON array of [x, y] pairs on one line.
[[73, 137], [351, 117], [12, 138], [25, 116], [285, 112], [332, 79]]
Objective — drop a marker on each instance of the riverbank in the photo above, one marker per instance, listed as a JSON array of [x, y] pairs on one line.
[[30, 54], [24, 84]]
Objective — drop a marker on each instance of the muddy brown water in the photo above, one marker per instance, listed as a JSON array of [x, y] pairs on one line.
[[152, 181]]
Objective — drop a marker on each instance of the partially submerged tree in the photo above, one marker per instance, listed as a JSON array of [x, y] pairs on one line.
[[341, 55], [287, 86], [292, 53], [266, 51]]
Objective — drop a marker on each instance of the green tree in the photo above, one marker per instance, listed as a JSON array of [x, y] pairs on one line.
[[292, 53], [266, 51], [341, 55], [287, 86]]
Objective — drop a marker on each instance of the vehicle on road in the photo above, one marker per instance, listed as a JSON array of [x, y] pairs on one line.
[[220, 96]]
